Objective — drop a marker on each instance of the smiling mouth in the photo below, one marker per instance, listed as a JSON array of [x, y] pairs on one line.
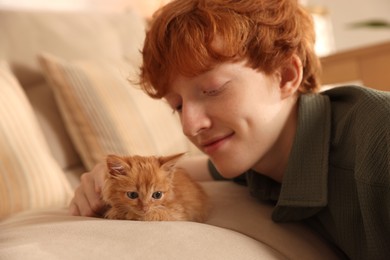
[[214, 144]]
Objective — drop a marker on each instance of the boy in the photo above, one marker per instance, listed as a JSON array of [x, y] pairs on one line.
[[244, 78]]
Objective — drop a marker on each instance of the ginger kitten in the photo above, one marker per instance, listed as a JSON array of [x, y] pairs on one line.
[[152, 188]]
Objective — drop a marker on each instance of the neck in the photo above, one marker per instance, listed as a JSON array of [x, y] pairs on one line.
[[274, 164]]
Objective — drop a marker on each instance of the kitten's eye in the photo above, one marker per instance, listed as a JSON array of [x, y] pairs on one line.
[[132, 195], [157, 195]]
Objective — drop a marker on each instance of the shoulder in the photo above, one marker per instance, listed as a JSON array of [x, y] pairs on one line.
[[363, 97], [361, 129], [360, 105]]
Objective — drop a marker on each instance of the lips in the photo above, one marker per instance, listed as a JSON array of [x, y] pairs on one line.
[[211, 145]]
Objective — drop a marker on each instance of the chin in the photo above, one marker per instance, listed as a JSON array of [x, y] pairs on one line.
[[230, 170]]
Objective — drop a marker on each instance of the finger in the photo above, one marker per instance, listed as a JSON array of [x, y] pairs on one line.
[[89, 201], [73, 209], [99, 173], [83, 205]]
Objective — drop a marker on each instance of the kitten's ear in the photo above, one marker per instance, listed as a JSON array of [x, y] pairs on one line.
[[116, 165], [168, 162]]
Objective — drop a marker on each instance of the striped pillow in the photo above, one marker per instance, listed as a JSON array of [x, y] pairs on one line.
[[105, 113], [29, 176]]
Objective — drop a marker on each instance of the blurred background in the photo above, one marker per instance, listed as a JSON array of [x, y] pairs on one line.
[[346, 24], [340, 24]]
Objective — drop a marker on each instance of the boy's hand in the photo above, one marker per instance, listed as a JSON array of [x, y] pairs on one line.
[[87, 199]]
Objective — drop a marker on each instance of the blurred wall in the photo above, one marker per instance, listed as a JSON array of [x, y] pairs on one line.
[[345, 12], [340, 12], [145, 7]]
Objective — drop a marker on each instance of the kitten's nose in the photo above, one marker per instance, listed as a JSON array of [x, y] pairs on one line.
[[145, 208]]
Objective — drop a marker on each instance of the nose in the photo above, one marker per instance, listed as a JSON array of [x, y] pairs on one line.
[[194, 119], [145, 208]]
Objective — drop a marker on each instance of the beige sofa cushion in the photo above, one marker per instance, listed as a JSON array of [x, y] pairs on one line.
[[29, 176], [105, 113], [88, 238], [239, 227], [86, 35]]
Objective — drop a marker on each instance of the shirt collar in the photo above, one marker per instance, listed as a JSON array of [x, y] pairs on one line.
[[305, 181]]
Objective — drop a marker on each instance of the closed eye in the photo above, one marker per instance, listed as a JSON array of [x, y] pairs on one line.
[[215, 91], [212, 92], [174, 102], [178, 108]]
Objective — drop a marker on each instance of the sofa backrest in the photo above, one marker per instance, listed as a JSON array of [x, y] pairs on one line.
[[69, 35]]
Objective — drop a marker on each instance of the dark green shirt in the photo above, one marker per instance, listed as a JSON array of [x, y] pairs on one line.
[[338, 175]]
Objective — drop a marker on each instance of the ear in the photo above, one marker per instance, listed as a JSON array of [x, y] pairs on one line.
[[116, 165], [168, 162], [291, 77]]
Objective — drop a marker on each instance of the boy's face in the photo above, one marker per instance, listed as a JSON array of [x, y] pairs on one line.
[[234, 114]]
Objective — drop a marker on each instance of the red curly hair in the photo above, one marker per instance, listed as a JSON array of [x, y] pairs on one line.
[[267, 33]]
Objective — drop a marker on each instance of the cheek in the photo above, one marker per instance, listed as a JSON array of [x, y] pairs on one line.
[[157, 202], [255, 121], [263, 106]]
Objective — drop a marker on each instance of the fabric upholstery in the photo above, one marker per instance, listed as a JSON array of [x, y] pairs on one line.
[[88, 238], [29, 176], [239, 227], [95, 36], [87, 35], [105, 113]]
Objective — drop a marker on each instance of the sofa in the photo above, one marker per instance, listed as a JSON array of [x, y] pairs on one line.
[[68, 96]]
